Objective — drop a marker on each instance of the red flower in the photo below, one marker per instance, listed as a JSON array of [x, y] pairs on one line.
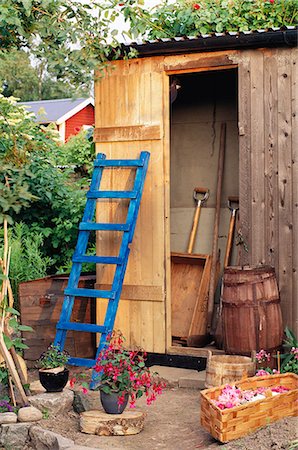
[[271, 1], [197, 6], [120, 4]]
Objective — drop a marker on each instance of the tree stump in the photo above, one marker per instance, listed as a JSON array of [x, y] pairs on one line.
[[102, 424]]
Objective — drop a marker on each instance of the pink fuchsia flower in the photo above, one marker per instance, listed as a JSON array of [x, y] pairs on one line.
[[196, 6], [84, 390], [72, 382]]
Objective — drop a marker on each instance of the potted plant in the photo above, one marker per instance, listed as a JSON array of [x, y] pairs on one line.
[[53, 374], [123, 376]]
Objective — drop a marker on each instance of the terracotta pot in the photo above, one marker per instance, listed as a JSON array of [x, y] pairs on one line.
[[54, 382], [110, 402]]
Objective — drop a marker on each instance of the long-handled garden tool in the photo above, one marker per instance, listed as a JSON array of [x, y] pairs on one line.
[[200, 196], [233, 205], [187, 273]]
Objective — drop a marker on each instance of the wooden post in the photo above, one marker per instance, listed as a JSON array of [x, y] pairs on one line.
[[220, 169]]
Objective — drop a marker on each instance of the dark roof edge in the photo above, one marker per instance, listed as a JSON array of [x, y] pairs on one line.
[[258, 39]]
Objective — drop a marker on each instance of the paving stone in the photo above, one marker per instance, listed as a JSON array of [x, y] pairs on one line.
[[8, 417], [29, 414], [183, 378], [47, 440], [53, 402], [14, 435]]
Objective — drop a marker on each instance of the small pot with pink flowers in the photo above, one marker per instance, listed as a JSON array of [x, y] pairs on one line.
[[123, 376]]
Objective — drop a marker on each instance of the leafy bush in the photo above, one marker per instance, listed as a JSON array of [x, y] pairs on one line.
[[27, 260], [191, 18]]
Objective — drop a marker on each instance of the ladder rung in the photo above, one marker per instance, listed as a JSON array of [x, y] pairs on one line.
[[79, 292], [119, 163], [97, 259], [111, 194], [81, 362], [86, 226], [75, 326]]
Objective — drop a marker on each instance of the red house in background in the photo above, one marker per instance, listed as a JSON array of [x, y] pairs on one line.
[[70, 116]]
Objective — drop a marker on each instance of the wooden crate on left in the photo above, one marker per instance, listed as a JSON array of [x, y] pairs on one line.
[[40, 306]]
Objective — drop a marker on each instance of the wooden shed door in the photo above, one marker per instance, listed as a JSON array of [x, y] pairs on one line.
[[129, 119]]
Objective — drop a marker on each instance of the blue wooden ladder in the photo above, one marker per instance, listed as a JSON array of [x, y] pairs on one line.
[[86, 226]]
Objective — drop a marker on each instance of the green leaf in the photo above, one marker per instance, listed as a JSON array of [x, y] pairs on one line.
[[25, 328], [13, 311], [8, 341], [13, 323]]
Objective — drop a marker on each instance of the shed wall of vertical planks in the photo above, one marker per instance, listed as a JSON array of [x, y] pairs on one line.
[[132, 113]]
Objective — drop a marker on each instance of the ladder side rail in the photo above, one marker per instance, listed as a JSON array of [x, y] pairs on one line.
[[139, 187]]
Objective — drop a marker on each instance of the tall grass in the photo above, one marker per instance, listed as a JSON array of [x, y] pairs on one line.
[[27, 261]]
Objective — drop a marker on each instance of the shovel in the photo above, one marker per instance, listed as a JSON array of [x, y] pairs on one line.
[[187, 272], [200, 196]]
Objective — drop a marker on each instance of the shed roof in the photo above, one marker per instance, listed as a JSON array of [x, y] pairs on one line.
[[57, 111], [275, 37]]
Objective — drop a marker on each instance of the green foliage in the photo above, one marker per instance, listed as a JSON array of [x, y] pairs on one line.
[[190, 18], [78, 152], [27, 259], [53, 357], [45, 413], [57, 211], [37, 192], [290, 357], [29, 82], [20, 134], [3, 375], [63, 35]]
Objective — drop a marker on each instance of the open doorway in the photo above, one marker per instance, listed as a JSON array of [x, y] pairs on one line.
[[200, 103]]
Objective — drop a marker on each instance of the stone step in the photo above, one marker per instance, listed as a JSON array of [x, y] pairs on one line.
[[182, 378]]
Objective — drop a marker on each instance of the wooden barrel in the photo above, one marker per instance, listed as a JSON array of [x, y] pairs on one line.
[[224, 369], [251, 311]]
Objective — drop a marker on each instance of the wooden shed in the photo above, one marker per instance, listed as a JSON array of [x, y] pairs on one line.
[[247, 81]]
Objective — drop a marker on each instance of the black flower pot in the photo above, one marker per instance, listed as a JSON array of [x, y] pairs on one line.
[[54, 382], [110, 402]]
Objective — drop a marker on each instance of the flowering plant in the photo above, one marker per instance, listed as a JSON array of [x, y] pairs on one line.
[[53, 357], [124, 372], [289, 358], [5, 406], [232, 396]]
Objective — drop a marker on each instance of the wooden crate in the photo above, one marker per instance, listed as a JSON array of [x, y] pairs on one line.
[[233, 423], [40, 306]]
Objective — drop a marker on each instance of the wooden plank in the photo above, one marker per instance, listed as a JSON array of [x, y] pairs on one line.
[[139, 293], [191, 351], [285, 195], [257, 159], [244, 102], [198, 326], [185, 286], [271, 158], [127, 133], [294, 65], [198, 61], [167, 210]]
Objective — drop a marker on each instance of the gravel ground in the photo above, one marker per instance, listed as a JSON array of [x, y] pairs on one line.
[[173, 423]]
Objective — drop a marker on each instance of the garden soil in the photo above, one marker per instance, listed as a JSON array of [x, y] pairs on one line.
[[173, 423]]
